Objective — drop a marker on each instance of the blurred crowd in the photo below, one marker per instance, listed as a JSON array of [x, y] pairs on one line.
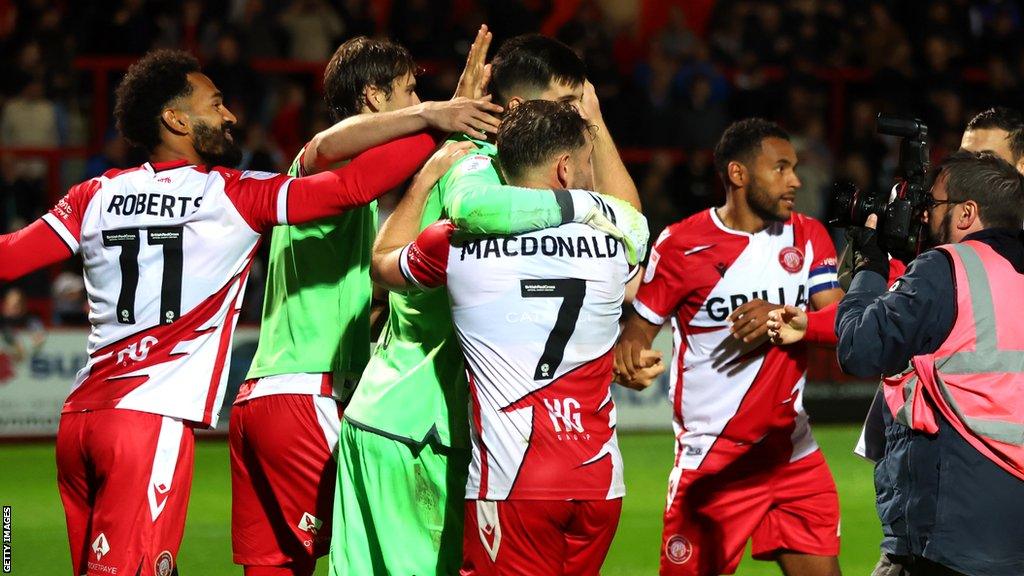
[[671, 74]]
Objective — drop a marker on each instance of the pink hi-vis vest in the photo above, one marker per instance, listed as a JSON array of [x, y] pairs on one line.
[[976, 377]]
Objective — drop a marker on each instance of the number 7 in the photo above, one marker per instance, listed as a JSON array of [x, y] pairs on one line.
[[571, 291]]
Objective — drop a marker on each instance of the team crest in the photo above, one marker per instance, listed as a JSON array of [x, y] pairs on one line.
[[678, 549], [164, 564], [792, 259]]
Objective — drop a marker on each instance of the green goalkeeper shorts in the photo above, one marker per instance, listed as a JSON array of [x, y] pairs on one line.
[[398, 509]]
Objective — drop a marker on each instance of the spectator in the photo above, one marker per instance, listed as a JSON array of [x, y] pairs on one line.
[[702, 120], [313, 28], [21, 333], [29, 120], [70, 305]]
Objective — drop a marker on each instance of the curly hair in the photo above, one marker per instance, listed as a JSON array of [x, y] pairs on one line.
[[357, 64], [159, 77], [741, 140]]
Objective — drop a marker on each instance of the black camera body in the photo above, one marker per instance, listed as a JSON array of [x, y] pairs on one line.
[[900, 214]]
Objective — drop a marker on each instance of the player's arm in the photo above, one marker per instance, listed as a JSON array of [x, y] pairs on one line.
[[610, 174], [402, 227], [364, 131], [371, 174], [29, 249], [50, 239], [477, 201], [790, 324]]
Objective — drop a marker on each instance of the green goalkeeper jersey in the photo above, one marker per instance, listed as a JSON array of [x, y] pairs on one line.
[[316, 311], [415, 386]]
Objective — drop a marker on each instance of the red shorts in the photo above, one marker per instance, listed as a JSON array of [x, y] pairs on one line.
[[124, 477], [538, 537], [283, 473], [710, 516]]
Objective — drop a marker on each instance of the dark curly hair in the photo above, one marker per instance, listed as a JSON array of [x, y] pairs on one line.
[[533, 132], [357, 64], [741, 140], [156, 79]]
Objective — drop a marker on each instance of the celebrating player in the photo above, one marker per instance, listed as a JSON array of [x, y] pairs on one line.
[[537, 317], [404, 446], [160, 345], [315, 335], [746, 464]]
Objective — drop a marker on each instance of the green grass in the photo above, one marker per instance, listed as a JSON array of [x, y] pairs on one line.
[[28, 484]]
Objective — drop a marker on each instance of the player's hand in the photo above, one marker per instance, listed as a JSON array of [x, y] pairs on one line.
[[476, 75], [749, 322], [630, 357], [643, 378], [464, 115], [589, 106], [787, 325], [443, 159]]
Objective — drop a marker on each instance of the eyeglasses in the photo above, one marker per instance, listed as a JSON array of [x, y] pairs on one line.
[[933, 203]]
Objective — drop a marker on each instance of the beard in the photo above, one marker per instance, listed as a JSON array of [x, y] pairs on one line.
[[213, 145], [762, 203], [943, 236]]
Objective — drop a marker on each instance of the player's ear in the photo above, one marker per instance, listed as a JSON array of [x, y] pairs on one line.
[[513, 102], [373, 97], [563, 171], [737, 173], [176, 121]]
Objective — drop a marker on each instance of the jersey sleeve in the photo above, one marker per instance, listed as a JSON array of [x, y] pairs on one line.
[[65, 219], [265, 199], [477, 201], [424, 262], [260, 197], [662, 288], [30, 249], [823, 273]]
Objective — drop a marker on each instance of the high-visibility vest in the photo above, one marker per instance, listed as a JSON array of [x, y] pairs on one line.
[[976, 377]]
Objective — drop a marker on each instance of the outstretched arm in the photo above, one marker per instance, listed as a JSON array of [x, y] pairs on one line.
[[368, 176], [364, 131], [29, 249]]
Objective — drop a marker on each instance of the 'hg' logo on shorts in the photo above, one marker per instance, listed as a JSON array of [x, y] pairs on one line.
[[678, 549]]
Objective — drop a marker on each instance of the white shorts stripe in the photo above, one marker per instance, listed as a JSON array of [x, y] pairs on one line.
[[61, 231], [165, 460], [327, 416]]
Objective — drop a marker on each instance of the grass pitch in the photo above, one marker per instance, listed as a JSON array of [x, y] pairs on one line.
[[40, 548]]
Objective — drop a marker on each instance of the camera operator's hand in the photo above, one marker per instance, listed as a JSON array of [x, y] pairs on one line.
[[867, 254], [749, 322]]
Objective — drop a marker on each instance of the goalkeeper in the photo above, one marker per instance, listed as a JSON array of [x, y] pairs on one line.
[[404, 446]]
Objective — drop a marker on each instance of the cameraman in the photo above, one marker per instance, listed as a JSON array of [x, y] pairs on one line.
[[953, 479]]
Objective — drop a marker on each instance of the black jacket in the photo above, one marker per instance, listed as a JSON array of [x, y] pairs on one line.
[[937, 496]]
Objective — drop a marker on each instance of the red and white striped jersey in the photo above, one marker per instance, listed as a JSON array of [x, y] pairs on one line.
[[721, 389], [537, 315], [166, 250]]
